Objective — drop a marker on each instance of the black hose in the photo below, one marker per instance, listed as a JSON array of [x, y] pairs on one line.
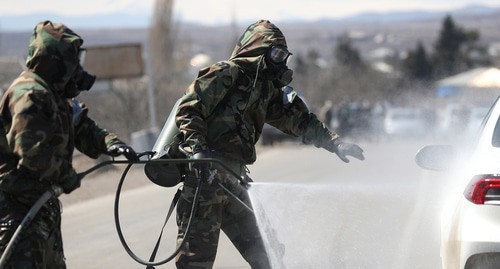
[[55, 191], [120, 234], [188, 226]]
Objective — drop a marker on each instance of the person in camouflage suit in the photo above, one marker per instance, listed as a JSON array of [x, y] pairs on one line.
[[40, 125], [221, 115]]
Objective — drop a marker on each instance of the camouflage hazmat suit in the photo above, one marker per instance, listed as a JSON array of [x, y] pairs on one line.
[[40, 125], [222, 115]]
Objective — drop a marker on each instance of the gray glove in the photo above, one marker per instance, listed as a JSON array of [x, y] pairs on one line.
[[343, 149], [122, 149]]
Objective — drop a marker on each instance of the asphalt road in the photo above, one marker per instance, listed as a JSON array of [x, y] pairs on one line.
[[380, 213]]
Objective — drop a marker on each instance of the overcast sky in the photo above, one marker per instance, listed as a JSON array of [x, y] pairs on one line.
[[223, 11]]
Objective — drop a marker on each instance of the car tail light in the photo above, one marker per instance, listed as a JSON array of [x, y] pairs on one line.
[[484, 189]]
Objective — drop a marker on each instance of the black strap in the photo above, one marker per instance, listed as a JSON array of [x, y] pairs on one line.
[[172, 207]]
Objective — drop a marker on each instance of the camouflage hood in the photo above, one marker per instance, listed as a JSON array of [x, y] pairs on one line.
[[53, 53], [254, 43]]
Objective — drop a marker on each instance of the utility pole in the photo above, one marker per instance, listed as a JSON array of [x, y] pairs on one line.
[[160, 56], [0, 37], [233, 25]]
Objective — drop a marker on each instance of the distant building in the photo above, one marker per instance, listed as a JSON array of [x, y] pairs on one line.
[[477, 85]]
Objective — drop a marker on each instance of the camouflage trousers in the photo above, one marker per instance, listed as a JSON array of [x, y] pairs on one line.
[[40, 246], [216, 211]]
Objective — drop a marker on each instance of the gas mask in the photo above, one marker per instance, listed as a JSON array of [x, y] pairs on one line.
[[81, 81], [277, 70]]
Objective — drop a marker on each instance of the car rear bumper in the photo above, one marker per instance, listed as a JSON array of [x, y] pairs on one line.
[[473, 237]]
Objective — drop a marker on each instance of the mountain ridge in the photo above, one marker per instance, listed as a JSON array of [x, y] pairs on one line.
[[15, 23]]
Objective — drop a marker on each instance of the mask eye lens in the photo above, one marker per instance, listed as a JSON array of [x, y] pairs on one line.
[[278, 54], [81, 55]]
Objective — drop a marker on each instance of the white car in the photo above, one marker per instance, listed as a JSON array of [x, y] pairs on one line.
[[470, 224], [475, 118]]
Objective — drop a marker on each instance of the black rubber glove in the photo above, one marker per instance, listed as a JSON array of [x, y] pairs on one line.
[[202, 168], [343, 149], [122, 149], [72, 183]]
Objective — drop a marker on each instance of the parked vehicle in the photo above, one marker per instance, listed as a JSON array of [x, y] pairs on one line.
[[408, 122], [454, 118], [470, 226], [460, 121]]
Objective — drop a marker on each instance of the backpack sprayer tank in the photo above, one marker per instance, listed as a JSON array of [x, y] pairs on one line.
[[165, 147]]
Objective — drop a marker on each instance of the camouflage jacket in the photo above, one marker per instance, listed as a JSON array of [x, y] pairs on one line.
[[226, 107], [39, 128], [39, 132]]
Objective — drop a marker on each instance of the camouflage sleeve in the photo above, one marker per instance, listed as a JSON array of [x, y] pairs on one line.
[[32, 130], [90, 139], [294, 118], [200, 101]]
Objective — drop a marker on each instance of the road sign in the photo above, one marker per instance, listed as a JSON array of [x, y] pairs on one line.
[[115, 61]]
